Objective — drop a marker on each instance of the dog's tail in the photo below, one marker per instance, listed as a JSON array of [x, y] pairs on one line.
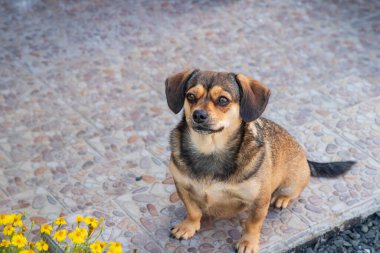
[[332, 169]]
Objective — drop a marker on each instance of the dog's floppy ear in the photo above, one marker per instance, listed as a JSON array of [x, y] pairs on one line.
[[175, 88], [254, 97]]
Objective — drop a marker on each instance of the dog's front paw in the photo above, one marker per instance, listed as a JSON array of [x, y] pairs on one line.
[[248, 244], [186, 229]]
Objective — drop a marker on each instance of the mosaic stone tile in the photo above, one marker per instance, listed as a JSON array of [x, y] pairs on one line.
[[359, 125], [299, 109], [350, 91], [3, 194], [320, 103], [287, 22], [341, 54], [341, 11], [4, 160], [53, 135], [11, 87], [20, 113], [38, 165], [216, 44], [39, 205], [29, 103], [23, 34], [368, 30], [86, 186], [174, 50]]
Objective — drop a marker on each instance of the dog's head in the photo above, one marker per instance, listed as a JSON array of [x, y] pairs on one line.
[[214, 101]]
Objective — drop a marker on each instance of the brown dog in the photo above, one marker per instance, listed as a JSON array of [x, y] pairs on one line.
[[226, 159]]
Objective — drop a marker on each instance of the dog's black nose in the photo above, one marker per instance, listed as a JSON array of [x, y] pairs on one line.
[[200, 116]]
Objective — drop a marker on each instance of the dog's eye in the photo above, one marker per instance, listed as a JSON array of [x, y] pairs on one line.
[[191, 98], [223, 101]]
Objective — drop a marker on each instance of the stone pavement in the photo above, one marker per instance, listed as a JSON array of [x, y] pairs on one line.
[[83, 111]]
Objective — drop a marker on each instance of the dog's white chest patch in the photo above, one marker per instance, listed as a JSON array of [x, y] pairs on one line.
[[217, 198]]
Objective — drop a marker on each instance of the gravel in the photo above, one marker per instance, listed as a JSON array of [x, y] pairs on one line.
[[363, 237]]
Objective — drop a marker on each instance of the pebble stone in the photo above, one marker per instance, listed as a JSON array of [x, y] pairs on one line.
[[353, 239]]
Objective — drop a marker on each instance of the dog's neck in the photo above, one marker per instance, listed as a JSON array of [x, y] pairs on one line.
[[212, 155], [215, 142]]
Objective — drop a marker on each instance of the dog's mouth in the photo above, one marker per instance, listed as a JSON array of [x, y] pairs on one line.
[[206, 130]]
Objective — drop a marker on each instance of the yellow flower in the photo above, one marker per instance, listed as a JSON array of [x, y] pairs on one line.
[[17, 222], [3, 219], [46, 228], [91, 221], [24, 228], [78, 236], [60, 235], [5, 243], [97, 247], [79, 219], [103, 245], [115, 247], [42, 245], [31, 245], [11, 217], [60, 221], [8, 230], [27, 251], [19, 241]]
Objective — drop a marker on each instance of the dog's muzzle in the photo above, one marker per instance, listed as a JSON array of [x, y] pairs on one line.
[[201, 123], [200, 116]]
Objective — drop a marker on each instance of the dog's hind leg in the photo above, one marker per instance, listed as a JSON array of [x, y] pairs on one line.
[[297, 178], [282, 197]]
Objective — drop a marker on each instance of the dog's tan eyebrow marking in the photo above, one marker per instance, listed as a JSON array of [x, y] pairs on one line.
[[218, 91], [197, 90]]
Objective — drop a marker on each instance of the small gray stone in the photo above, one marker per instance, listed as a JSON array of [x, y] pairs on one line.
[[331, 148], [347, 244], [145, 162], [340, 187], [364, 228], [355, 243], [313, 208], [38, 202], [145, 198], [180, 212], [151, 247], [338, 243], [141, 189], [118, 213], [156, 161], [234, 234], [148, 224], [139, 240], [309, 250], [354, 236], [51, 200], [162, 233], [87, 164], [205, 247]]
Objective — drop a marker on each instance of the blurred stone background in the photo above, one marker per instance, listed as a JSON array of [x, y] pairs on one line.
[[83, 112]]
